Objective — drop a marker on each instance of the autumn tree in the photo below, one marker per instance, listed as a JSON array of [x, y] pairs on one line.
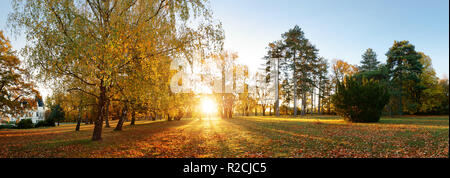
[[341, 69], [226, 63], [243, 96], [263, 91], [17, 93], [93, 42], [83, 102], [432, 92], [444, 100]]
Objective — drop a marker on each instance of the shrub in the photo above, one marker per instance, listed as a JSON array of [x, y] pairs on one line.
[[40, 124], [49, 122], [360, 100], [7, 126], [25, 124]]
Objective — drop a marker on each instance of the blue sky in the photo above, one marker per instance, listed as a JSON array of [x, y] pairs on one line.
[[341, 29]]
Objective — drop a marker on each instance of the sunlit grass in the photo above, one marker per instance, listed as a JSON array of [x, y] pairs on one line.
[[324, 136]]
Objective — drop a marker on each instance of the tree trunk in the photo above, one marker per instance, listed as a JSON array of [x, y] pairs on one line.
[[107, 115], [303, 104], [294, 78], [320, 97], [390, 109], [264, 110], [277, 100], [247, 111], [329, 100], [122, 118], [223, 109], [312, 101], [86, 119], [77, 128], [319, 109], [133, 117], [400, 103], [97, 134]]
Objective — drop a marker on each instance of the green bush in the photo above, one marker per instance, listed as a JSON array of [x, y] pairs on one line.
[[7, 126], [39, 124], [360, 100], [48, 122], [25, 124]]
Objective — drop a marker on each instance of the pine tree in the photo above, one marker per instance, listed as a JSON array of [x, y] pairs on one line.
[[404, 66], [369, 62], [274, 54], [295, 42], [306, 73], [322, 74]]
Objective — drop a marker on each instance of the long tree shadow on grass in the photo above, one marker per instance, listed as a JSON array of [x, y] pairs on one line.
[[419, 121], [331, 138], [56, 143]]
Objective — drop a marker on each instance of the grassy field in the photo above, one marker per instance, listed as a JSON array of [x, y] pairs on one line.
[[327, 136]]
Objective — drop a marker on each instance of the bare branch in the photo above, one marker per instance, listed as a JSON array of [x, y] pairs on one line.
[[81, 90]]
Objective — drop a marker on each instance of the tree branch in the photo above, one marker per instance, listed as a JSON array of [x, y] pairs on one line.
[[81, 90]]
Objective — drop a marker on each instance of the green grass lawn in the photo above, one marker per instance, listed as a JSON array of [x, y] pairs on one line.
[[320, 136]]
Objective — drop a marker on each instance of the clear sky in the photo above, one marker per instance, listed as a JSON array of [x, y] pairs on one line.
[[341, 29]]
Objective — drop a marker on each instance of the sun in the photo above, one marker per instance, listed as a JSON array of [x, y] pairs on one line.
[[208, 105]]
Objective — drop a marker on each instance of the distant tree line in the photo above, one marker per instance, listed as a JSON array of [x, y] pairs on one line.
[[408, 75]]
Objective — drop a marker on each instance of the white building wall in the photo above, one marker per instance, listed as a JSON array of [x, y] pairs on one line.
[[35, 115]]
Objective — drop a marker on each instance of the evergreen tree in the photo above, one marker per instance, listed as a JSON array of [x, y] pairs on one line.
[[404, 66], [274, 54], [322, 73], [369, 62], [360, 100], [296, 45], [57, 113], [286, 91], [307, 72]]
